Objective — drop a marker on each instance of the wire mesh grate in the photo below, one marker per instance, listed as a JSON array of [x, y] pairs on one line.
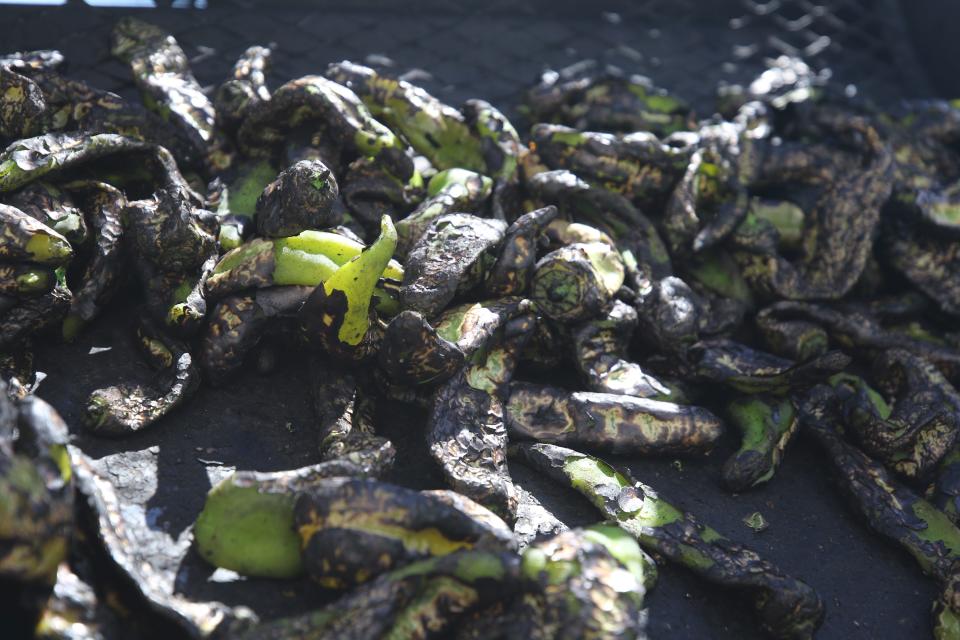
[[460, 50]]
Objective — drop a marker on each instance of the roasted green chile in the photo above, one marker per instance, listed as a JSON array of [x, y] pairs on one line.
[[605, 99], [451, 257], [600, 348], [127, 408], [53, 207], [300, 198], [355, 530], [889, 508], [578, 281], [466, 431], [614, 423], [915, 426], [36, 491], [450, 191], [786, 607], [162, 72], [513, 270], [767, 425], [338, 316], [411, 602], [245, 89], [638, 165], [582, 590], [103, 273], [247, 522]]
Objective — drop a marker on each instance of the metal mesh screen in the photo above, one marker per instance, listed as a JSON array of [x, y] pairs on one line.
[[460, 50]]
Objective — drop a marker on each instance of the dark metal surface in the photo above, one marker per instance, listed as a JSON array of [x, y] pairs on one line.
[[496, 49], [871, 589]]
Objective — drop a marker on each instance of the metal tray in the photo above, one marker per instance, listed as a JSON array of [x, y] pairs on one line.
[[494, 50]]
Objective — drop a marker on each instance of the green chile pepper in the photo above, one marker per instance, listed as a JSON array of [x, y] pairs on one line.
[[609, 422], [786, 607]]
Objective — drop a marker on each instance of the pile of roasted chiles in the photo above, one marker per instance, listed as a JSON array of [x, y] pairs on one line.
[[790, 264]]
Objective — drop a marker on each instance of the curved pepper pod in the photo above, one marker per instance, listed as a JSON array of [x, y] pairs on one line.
[[919, 426], [434, 129], [838, 231], [127, 408], [450, 191], [599, 349], [247, 522], [162, 72], [751, 371], [359, 529], [582, 591], [237, 324], [50, 155], [53, 207], [32, 315], [414, 353], [511, 274], [711, 198], [888, 507], [607, 422], [102, 274], [786, 607], [415, 601], [577, 281], [335, 107], [466, 431], [245, 89], [22, 106], [36, 491], [592, 98], [300, 198], [25, 239], [337, 315], [499, 142], [451, 257], [637, 165], [767, 425]]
